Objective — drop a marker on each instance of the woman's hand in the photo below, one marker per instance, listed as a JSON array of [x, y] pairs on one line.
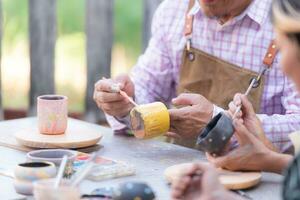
[[198, 182], [247, 113], [249, 118], [251, 154]]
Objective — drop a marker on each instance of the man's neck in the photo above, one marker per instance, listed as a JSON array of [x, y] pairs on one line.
[[235, 12]]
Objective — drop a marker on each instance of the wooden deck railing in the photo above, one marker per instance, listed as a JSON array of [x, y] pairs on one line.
[[99, 40]]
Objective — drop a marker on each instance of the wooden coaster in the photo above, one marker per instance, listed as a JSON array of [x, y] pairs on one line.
[[76, 136], [231, 180]]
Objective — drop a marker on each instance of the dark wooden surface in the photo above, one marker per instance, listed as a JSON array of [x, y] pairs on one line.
[[150, 158], [99, 39], [149, 9], [42, 32]]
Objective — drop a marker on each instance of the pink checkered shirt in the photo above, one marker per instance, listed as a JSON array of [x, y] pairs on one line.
[[242, 41]]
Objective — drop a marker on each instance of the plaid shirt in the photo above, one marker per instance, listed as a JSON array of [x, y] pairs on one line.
[[242, 41]]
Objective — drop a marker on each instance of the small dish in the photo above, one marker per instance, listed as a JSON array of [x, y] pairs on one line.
[[51, 155]]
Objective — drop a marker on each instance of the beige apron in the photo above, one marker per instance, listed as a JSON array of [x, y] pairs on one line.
[[216, 79]]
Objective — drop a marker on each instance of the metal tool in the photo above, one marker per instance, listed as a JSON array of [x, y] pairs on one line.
[[243, 194], [255, 82]]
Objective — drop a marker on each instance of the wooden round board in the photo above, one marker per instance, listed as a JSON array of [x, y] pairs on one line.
[[76, 136], [231, 180]]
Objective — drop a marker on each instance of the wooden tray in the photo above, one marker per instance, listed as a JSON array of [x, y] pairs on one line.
[[231, 180], [76, 136]]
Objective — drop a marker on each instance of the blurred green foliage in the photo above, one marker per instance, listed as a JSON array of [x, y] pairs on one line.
[[128, 24], [70, 18], [15, 20], [70, 46]]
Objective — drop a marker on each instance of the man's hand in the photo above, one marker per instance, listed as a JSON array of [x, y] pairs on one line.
[[108, 98], [188, 121]]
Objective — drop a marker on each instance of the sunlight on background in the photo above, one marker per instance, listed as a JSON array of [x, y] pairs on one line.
[[70, 61]]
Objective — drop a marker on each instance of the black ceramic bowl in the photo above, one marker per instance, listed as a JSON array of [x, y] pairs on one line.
[[216, 134]]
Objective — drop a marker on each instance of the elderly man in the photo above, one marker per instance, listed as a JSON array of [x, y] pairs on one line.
[[205, 51]]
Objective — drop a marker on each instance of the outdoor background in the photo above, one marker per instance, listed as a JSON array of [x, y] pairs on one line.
[[70, 56]]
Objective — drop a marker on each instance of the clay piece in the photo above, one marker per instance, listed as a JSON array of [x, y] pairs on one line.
[[216, 134], [150, 120]]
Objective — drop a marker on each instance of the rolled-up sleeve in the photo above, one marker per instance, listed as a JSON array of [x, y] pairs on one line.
[[278, 127], [152, 75]]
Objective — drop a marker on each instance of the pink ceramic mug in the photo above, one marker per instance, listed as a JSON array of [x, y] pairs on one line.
[[52, 112]]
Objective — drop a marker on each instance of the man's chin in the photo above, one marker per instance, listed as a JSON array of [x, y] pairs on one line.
[[212, 15], [208, 2]]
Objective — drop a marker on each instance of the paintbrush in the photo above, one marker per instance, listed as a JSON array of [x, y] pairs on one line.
[[124, 94], [246, 93], [61, 170], [116, 89]]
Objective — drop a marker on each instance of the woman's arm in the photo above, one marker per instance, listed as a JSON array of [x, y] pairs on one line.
[[277, 162], [252, 154]]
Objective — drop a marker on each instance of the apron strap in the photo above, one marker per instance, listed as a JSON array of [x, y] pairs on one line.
[[270, 55], [267, 61], [188, 28]]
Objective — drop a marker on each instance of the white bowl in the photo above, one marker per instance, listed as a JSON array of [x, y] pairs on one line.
[[26, 173]]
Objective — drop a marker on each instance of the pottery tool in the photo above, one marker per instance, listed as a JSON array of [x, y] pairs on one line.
[[243, 194], [115, 88], [61, 170], [230, 179], [150, 120], [124, 94], [77, 135], [246, 93]]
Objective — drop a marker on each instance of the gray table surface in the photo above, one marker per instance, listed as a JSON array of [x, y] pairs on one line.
[[150, 157]]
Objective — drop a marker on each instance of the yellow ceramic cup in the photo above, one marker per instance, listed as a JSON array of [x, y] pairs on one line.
[[150, 120]]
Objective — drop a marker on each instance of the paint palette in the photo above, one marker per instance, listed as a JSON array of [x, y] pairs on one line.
[[104, 168]]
